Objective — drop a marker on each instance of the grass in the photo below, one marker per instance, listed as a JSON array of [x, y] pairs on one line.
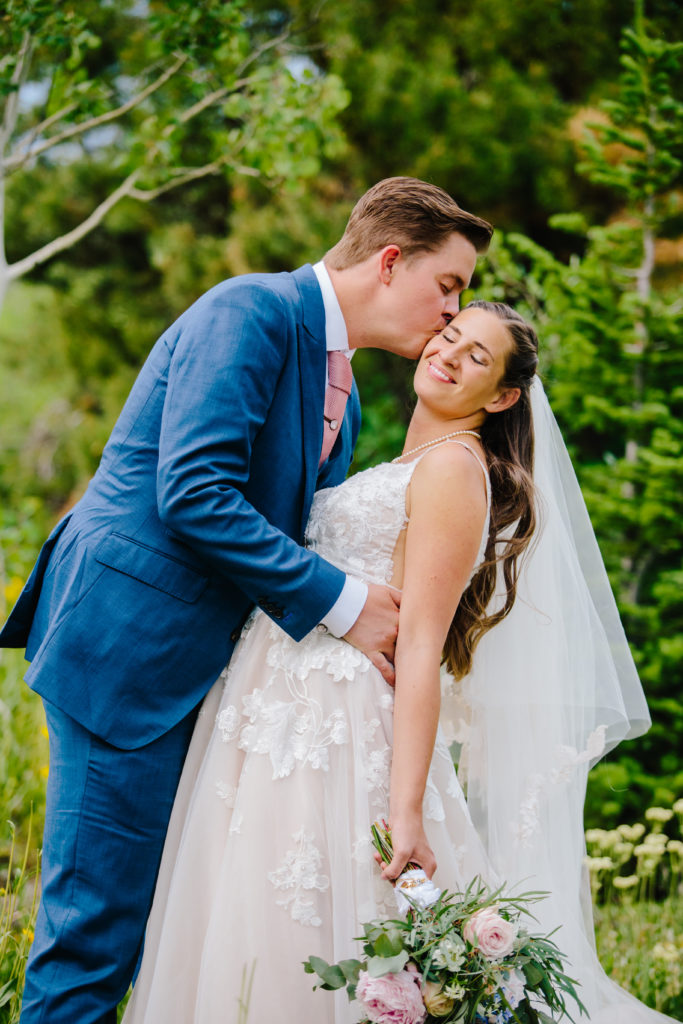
[[640, 945], [18, 906], [636, 876], [23, 773]]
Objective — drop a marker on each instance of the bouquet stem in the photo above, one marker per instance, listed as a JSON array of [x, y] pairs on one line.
[[381, 840]]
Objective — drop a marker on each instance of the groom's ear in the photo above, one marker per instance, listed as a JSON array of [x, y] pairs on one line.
[[388, 258]]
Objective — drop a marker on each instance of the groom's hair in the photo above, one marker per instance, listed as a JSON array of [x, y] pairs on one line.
[[407, 212]]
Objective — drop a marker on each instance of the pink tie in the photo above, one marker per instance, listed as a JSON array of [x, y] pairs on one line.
[[339, 378]]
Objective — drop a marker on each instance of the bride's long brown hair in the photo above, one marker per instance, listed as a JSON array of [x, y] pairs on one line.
[[508, 439]]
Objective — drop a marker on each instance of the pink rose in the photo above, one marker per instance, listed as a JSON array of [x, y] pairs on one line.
[[490, 933], [391, 999]]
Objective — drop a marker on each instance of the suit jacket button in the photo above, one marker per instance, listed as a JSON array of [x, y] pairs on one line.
[[235, 635], [321, 628]]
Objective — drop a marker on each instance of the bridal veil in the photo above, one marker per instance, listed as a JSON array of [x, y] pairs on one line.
[[553, 688]]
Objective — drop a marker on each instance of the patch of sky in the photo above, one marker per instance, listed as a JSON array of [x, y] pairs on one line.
[[301, 66], [32, 94]]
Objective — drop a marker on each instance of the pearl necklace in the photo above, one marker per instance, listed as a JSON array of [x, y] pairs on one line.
[[438, 440]]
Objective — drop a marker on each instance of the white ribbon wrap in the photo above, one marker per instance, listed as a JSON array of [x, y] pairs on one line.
[[421, 890]]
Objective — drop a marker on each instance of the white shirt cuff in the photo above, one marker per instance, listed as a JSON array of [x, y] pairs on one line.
[[348, 606]]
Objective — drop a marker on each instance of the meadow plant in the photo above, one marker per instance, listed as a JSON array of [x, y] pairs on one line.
[[18, 907], [23, 734], [630, 851], [637, 881], [23, 774]]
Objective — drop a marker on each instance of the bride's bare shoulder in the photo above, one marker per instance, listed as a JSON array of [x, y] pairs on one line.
[[448, 477], [454, 464]]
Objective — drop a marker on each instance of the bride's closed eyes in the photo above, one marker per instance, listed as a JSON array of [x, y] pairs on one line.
[[453, 334]]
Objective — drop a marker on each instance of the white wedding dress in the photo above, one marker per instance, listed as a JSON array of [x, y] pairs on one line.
[[268, 858]]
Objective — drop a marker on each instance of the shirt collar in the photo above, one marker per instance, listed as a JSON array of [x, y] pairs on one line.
[[336, 335]]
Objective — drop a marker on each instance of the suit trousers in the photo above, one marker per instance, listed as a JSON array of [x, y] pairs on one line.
[[106, 818]]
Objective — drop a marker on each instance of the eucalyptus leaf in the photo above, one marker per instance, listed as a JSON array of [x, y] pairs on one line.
[[378, 966]]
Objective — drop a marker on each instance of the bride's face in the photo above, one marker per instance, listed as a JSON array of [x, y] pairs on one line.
[[461, 369]]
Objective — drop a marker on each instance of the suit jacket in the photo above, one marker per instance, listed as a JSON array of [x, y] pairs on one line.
[[196, 513]]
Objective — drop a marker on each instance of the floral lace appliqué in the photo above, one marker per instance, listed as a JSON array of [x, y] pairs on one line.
[[300, 874], [335, 657], [290, 732], [356, 526], [568, 759], [226, 792], [228, 723], [377, 767]]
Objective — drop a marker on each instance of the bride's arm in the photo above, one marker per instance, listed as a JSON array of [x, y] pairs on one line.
[[447, 513]]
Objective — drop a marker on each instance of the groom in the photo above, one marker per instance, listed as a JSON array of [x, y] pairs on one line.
[[195, 515]]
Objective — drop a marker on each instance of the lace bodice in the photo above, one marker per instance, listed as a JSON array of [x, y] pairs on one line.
[[356, 525]]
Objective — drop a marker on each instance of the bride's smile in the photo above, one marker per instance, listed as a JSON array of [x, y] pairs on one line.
[[435, 371]]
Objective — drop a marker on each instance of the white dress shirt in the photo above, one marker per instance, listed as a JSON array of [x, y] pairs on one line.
[[350, 602]]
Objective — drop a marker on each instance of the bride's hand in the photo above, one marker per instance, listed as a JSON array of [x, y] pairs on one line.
[[410, 845]]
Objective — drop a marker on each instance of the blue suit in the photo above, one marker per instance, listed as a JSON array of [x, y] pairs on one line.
[[196, 513]]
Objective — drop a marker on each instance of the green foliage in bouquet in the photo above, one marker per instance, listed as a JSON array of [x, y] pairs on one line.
[[467, 958]]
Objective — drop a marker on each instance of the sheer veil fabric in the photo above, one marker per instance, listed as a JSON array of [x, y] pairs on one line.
[[553, 688]]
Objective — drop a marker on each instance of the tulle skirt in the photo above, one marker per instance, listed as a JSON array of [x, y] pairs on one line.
[[268, 858]]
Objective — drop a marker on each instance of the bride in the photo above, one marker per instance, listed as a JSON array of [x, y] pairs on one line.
[[299, 747]]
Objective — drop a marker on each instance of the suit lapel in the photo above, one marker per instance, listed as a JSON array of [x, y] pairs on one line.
[[312, 356]]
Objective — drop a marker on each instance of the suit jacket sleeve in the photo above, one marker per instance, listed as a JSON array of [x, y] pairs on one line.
[[223, 375]]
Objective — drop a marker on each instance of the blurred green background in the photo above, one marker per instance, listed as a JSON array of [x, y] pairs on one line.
[[150, 149], [306, 105]]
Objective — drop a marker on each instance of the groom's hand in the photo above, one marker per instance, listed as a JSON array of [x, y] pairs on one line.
[[375, 630]]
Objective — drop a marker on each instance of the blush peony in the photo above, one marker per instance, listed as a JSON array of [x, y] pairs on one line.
[[391, 999], [490, 933]]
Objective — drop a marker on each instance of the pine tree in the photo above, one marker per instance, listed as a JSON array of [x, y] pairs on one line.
[[610, 322]]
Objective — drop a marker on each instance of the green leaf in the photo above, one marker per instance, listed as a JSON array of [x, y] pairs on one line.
[[533, 974], [351, 969], [317, 965], [6, 992], [389, 943], [573, 223], [332, 975], [378, 966]]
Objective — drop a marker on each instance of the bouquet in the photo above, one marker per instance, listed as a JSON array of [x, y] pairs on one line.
[[453, 957]]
